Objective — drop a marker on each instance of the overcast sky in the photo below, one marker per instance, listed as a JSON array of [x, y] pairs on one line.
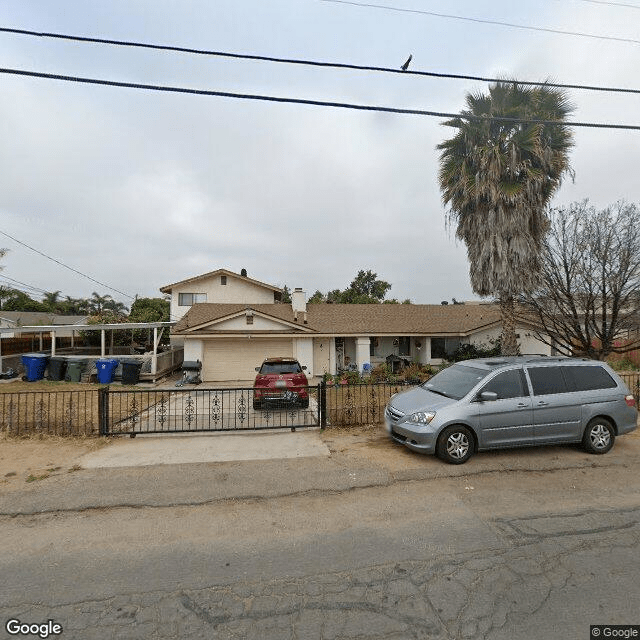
[[140, 189]]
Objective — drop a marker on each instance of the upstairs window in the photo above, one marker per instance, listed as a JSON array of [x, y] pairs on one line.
[[223, 280], [188, 299]]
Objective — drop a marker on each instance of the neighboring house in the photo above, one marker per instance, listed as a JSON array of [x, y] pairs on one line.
[[232, 337], [10, 319]]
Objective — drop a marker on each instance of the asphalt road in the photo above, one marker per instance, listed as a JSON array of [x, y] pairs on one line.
[[496, 555]]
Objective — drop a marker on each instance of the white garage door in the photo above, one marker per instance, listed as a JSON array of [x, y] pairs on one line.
[[237, 359]]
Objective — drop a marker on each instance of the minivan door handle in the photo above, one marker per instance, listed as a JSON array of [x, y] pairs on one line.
[[543, 404], [522, 405]]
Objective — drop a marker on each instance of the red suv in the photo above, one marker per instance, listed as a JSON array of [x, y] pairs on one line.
[[280, 381]]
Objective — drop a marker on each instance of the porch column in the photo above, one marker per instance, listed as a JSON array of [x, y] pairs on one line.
[[332, 357], [154, 357], [102, 343], [40, 336], [362, 351], [53, 343]]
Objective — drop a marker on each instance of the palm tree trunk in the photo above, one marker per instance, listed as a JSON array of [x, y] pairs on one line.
[[508, 342]]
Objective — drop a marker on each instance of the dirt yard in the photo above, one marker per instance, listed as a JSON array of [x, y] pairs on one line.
[[32, 459]]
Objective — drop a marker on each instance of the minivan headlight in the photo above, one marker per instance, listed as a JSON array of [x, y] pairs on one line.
[[422, 417]]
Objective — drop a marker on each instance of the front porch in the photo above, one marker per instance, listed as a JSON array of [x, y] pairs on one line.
[[353, 353]]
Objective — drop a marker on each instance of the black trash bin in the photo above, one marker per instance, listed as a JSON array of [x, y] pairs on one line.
[[57, 368], [131, 371]]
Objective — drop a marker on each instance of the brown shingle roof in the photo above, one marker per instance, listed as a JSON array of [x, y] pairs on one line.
[[361, 319]]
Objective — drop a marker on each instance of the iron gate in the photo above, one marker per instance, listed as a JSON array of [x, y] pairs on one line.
[[203, 409]]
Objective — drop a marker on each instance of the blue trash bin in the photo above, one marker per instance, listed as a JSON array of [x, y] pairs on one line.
[[34, 365], [106, 369]]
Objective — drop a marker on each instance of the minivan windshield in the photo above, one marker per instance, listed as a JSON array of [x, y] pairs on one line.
[[455, 381]]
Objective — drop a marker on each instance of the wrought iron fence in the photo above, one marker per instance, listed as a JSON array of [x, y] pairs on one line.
[[54, 413], [359, 404], [201, 409]]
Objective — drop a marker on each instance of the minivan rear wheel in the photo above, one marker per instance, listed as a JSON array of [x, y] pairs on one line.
[[455, 445], [599, 436]]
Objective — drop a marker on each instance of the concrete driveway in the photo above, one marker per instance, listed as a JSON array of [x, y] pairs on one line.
[[148, 450]]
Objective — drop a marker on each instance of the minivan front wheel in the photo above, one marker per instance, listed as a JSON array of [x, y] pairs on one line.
[[455, 445], [599, 436]]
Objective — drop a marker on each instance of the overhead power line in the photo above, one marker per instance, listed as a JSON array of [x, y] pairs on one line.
[[304, 101], [24, 284], [312, 63], [613, 4], [511, 25], [84, 275]]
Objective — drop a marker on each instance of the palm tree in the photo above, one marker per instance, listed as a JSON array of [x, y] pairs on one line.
[[497, 178], [52, 300], [97, 302]]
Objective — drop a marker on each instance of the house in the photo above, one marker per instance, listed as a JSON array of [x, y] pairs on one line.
[[34, 318], [236, 328]]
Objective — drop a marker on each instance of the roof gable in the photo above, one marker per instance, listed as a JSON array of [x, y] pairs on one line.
[[222, 318], [218, 272]]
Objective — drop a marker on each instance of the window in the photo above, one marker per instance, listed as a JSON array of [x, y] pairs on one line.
[[249, 319], [188, 299], [404, 346], [372, 346], [546, 380], [223, 280], [508, 384], [443, 347], [588, 378]]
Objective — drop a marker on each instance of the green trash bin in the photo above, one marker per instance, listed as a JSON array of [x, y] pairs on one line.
[[75, 367]]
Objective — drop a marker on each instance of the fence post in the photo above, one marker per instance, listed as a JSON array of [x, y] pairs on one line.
[[323, 403], [103, 411]]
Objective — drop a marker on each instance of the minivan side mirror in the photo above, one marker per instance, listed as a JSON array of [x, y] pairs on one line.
[[488, 396], [257, 368], [304, 366]]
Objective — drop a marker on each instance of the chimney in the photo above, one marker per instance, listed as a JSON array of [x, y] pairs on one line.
[[298, 301], [243, 273]]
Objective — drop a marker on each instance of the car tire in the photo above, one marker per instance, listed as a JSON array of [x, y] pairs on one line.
[[455, 445], [599, 436]]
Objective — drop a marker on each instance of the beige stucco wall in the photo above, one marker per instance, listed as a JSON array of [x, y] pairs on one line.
[[240, 323], [527, 341], [237, 290], [303, 351]]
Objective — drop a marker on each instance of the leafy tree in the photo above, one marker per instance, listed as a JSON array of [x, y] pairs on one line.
[[365, 288], [318, 296], [286, 294], [497, 178], [588, 294], [149, 310], [19, 301]]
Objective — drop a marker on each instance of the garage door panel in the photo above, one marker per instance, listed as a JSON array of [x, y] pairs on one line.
[[237, 359]]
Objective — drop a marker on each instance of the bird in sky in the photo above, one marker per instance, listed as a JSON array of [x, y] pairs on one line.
[[405, 66]]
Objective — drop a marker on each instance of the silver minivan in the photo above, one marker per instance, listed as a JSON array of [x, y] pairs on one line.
[[517, 401]]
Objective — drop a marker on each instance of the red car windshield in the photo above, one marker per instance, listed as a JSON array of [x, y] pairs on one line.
[[279, 368]]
